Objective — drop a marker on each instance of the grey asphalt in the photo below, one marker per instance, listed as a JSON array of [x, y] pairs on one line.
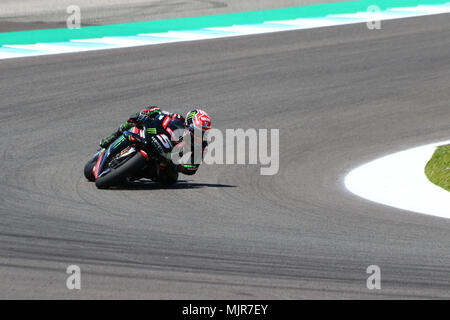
[[340, 96]]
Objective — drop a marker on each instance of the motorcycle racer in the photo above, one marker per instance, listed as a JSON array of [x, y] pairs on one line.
[[162, 126]]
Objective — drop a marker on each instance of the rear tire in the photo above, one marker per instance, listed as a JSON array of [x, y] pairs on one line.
[[119, 175]]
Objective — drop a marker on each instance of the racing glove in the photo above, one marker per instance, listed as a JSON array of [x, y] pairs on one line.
[[187, 169]]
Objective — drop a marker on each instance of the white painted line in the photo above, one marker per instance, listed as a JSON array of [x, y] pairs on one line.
[[374, 16], [158, 35], [419, 11], [331, 20], [190, 36], [244, 30], [285, 22], [398, 180], [8, 55], [164, 37], [317, 23], [425, 9], [124, 42], [116, 42], [44, 47]]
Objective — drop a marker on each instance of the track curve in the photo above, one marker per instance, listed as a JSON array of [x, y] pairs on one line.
[[341, 96]]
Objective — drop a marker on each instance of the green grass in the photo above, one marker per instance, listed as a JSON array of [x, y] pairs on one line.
[[438, 168]]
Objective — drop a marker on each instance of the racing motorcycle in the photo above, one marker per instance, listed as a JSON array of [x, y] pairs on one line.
[[132, 163]]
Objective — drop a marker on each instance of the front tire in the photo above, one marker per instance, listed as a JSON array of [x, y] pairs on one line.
[[118, 175], [88, 169]]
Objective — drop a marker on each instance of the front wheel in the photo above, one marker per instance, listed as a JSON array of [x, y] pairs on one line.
[[88, 169], [118, 175]]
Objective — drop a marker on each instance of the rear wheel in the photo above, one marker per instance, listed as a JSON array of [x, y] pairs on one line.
[[117, 175]]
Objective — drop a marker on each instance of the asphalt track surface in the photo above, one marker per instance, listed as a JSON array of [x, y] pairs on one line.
[[341, 96]]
